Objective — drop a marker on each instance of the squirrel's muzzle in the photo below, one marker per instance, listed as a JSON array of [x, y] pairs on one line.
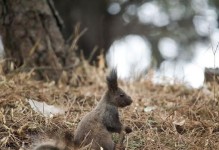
[[126, 102], [129, 101]]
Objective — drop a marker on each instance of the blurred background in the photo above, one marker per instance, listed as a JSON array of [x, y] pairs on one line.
[[177, 38], [174, 38]]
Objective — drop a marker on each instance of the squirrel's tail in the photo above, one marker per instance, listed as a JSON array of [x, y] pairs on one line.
[[63, 144], [48, 146]]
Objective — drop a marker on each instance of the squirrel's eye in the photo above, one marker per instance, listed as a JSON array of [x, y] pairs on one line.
[[121, 95]]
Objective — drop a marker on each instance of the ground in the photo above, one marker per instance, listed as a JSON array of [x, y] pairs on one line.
[[165, 117]]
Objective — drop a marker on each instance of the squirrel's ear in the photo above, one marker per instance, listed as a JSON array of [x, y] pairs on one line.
[[112, 80]]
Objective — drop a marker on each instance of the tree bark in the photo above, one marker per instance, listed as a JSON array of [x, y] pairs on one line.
[[212, 75], [32, 37]]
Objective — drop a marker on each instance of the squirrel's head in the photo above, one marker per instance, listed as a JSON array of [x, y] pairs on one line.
[[116, 95]]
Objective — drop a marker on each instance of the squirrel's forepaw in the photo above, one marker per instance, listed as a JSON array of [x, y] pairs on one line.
[[128, 129]]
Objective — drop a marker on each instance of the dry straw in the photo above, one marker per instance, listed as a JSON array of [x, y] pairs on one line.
[[182, 118]]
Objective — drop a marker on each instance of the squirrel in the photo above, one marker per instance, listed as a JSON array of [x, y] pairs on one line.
[[96, 127]]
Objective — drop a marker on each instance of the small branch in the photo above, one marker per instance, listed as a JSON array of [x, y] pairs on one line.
[[55, 13], [78, 35], [55, 63]]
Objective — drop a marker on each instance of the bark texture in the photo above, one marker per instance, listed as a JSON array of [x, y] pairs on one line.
[[32, 37]]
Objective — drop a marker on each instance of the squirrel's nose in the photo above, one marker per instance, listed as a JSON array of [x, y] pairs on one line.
[[130, 99]]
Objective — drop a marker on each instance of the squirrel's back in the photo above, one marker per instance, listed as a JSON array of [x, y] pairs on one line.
[[90, 126]]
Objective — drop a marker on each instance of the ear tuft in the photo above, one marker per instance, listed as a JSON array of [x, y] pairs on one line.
[[112, 80]]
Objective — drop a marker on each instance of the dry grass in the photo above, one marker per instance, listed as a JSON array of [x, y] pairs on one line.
[[182, 118]]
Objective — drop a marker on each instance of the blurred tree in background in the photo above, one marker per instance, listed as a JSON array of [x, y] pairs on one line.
[[33, 31], [32, 37], [110, 20]]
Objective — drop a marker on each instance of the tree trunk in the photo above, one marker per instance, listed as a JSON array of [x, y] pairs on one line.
[[32, 37]]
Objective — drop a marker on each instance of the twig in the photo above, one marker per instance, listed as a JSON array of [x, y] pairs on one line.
[[77, 37], [55, 13]]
